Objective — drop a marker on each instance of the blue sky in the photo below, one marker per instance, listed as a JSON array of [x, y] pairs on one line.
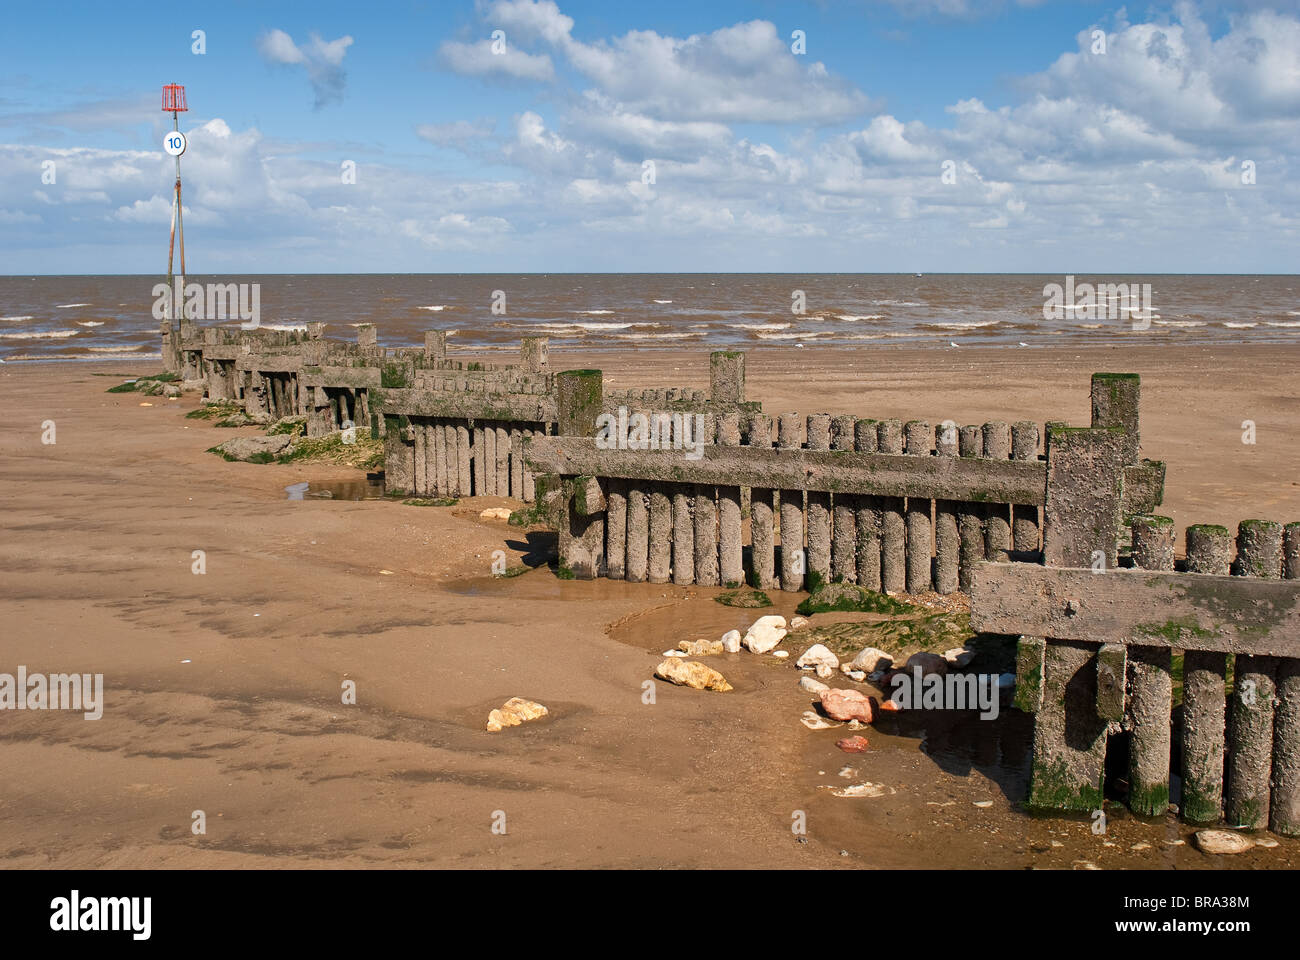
[[931, 135]]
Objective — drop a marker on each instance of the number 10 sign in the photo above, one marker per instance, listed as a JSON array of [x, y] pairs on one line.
[[175, 143]]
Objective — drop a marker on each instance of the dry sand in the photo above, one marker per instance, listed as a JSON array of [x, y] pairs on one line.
[[224, 690]]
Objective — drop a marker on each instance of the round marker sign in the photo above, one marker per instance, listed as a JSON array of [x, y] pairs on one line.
[[175, 143]]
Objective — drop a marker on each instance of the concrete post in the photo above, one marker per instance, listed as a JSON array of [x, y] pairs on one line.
[[727, 376], [730, 530], [818, 518], [435, 346], [582, 537], [1069, 756], [1209, 549], [947, 541], [1115, 402], [616, 522], [1204, 707], [1024, 516], [893, 524], [918, 532], [997, 520], [793, 560], [1084, 495], [843, 511], [761, 519], [867, 518], [535, 353]]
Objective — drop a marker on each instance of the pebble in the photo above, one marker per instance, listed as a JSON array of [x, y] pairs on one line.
[[780, 654], [812, 686], [983, 804], [857, 744]]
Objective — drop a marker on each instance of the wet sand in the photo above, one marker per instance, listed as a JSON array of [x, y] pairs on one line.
[[96, 560]]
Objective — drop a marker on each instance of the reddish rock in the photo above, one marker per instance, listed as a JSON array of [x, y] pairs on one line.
[[889, 706], [845, 705], [928, 662], [853, 744]]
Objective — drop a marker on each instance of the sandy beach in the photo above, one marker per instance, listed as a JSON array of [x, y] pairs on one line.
[[223, 689]]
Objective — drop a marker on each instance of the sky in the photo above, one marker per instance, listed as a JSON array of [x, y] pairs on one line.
[[502, 136]]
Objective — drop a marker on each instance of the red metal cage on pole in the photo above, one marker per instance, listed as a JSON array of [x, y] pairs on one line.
[[173, 98]]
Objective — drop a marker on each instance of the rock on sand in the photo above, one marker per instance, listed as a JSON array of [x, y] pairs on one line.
[[844, 705], [765, 634], [514, 712], [692, 673], [245, 448], [1223, 841]]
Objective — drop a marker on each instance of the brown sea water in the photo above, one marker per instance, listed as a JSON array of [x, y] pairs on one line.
[[111, 317]]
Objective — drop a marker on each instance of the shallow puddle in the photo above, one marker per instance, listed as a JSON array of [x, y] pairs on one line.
[[371, 488], [935, 788]]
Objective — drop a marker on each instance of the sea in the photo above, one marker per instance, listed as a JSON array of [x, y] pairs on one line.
[[44, 318]]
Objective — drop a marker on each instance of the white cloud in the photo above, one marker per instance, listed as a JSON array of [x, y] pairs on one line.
[[323, 60], [479, 60]]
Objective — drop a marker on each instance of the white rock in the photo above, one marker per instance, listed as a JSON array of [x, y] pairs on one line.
[[797, 622], [731, 641], [959, 656], [857, 675], [765, 633], [1223, 841], [870, 660], [811, 685], [819, 658], [675, 653], [780, 654], [1267, 842], [495, 513]]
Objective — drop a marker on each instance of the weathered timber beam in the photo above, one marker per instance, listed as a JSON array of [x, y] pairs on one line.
[[530, 407], [340, 377], [270, 363], [945, 478], [1190, 611]]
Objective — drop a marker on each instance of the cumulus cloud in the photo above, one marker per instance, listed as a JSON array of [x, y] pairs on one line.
[[744, 73], [482, 60], [1137, 153], [322, 59]]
